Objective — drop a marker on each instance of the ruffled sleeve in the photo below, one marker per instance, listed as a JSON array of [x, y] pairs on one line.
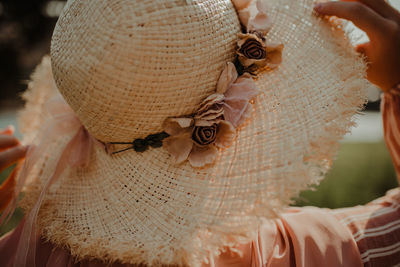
[[375, 228], [301, 237]]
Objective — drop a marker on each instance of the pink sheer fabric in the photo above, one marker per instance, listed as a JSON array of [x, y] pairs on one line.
[[76, 153]]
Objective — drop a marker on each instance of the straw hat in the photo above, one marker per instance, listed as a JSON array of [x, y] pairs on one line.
[[124, 67]]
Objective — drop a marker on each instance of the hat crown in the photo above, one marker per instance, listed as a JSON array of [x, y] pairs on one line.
[[124, 66]]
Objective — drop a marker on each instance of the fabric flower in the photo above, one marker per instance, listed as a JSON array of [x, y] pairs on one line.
[[254, 53], [210, 110], [195, 143], [237, 100], [232, 99], [205, 135], [243, 11], [253, 47], [213, 126], [260, 22], [237, 94]]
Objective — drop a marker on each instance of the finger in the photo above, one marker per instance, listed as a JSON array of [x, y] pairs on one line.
[[8, 131], [7, 141], [362, 16], [9, 157], [7, 189], [363, 49], [379, 6]]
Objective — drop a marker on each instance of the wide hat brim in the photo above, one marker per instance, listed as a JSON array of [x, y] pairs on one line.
[[140, 208]]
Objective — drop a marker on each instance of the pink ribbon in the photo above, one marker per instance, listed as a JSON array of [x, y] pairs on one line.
[[76, 153], [238, 92], [237, 100]]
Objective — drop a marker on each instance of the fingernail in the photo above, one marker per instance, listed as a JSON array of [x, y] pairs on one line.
[[24, 148]]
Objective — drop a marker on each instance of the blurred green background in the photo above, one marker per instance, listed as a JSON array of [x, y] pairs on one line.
[[362, 172]]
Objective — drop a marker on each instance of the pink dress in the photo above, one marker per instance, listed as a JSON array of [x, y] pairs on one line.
[[358, 236]]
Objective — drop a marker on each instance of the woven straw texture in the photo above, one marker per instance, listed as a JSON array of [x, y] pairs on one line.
[[138, 207], [142, 56]]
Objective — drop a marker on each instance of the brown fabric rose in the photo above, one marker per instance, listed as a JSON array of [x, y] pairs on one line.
[[196, 138], [255, 54], [195, 143], [253, 49], [204, 135]]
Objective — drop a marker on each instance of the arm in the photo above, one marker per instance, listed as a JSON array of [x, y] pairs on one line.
[[10, 149]]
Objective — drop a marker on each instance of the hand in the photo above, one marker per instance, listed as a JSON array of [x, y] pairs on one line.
[[10, 149], [381, 22]]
